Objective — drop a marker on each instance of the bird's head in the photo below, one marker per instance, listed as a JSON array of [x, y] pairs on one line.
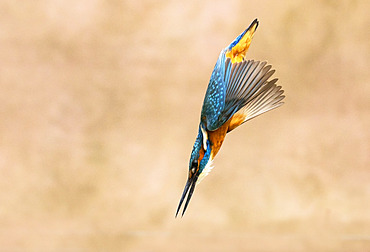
[[199, 166]]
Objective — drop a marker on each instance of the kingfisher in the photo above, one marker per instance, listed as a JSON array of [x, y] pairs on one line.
[[239, 90]]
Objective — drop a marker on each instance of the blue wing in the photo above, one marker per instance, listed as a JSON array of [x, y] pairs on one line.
[[232, 86], [214, 100]]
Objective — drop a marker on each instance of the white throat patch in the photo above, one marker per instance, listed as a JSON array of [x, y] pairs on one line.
[[205, 137], [205, 171]]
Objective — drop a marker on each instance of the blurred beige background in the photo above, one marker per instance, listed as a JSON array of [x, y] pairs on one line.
[[100, 104]]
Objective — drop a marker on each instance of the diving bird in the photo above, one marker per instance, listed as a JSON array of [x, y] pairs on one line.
[[239, 90]]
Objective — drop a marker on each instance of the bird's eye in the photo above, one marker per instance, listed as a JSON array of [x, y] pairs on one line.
[[195, 163]]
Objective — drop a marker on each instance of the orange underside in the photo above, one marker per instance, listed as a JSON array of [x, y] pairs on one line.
[[217, 137], [237, 53], [237, 119]]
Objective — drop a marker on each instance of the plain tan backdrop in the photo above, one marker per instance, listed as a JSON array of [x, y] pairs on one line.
[[100, 104]]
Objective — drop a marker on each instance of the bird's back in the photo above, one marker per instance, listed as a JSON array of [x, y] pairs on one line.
[[239, 89]]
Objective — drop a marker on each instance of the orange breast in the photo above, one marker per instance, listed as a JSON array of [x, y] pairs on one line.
[[236, 120], [217, 137]]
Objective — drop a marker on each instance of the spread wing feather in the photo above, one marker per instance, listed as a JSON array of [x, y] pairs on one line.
[[242, 86]]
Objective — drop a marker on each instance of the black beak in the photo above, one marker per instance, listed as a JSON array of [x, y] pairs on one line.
[[189, 187]]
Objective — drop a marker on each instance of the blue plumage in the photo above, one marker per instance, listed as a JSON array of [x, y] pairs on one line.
[[196, 148], [214, 100], [238, 90]]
